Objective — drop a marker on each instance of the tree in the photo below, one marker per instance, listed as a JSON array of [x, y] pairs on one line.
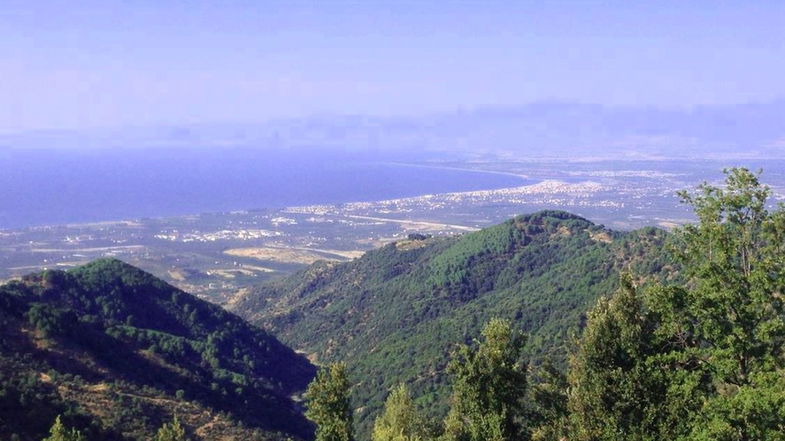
[[328, 404], [400, 420], [699, 360], [613, 392], [726, 325], [173, 431], [59, 432], [549, 397], [489, 383]]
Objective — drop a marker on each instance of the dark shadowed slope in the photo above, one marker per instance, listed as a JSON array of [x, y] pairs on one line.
[[119, 351]]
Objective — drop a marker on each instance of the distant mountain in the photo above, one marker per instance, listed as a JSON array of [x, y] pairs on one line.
[[540, 129], [118, 352], [579, 131], [394, 314]]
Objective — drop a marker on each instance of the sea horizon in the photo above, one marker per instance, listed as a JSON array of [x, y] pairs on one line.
[[76, 187]]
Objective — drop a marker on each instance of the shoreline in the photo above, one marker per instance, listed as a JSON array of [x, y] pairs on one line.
[[462, 169], [136, 221]]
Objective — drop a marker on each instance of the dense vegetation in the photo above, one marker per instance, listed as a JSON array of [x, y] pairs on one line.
[[701, 358], [395, 313], [118, 352]]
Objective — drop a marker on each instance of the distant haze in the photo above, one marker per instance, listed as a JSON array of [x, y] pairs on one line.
[[540, 130], [88, 64]]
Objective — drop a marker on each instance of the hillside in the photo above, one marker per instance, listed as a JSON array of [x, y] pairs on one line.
[[118, 352], [394, 313]]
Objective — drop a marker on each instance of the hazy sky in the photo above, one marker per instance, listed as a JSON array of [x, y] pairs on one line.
[[78, 64]]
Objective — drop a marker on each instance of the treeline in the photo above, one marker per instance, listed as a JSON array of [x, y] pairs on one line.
[[701, 359]]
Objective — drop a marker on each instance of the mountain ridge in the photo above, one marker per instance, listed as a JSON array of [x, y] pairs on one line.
[[116, 350], [394, 313]]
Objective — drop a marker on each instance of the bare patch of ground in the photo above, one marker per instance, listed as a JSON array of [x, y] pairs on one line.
[[304, 256], [601, 236]]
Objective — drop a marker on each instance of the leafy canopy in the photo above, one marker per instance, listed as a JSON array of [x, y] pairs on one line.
[[328, 404], [701, 359], [488, 388], [59, 432], [173, 431], [614, 393], [400, 420], [723, 332]]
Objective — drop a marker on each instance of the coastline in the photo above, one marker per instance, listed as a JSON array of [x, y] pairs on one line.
[[136, 220]]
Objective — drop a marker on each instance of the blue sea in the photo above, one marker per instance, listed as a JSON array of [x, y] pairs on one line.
[[50, 187]]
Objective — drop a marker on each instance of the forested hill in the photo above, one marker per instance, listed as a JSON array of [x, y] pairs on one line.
[[118, 352], [394, 314]]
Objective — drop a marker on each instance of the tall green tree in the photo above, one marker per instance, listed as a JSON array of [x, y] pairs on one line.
[[328, 404], [614, 394], [724, 328], [58, 432], [734, 258], [488, 387], [549, 398], [400, 420], [173, 431], [699, 360]]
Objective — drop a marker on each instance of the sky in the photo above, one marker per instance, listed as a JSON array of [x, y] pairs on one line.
[[87, 64]]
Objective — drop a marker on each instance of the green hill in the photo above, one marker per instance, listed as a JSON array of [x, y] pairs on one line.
[[394, 313], [118, 352]]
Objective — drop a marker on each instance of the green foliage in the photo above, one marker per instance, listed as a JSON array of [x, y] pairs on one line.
[[59, 432], [51, 322], [172, 431], [549, 407], [400, 419], [177, 348], [733, 310], [701, 359], [328, 404], [613, 392], [397, 309], [724, 331], [489, 384]]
